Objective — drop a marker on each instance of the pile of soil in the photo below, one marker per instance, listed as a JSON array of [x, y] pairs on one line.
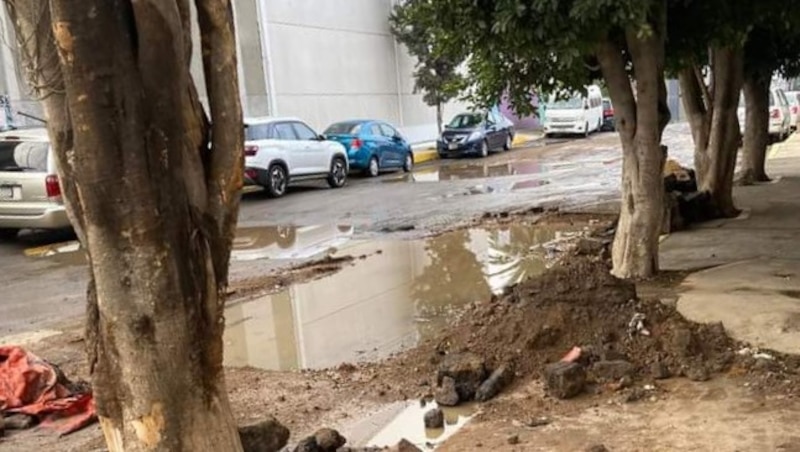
[[579, 303]]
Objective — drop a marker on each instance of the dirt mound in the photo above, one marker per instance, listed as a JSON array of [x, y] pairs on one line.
[[579, 304]]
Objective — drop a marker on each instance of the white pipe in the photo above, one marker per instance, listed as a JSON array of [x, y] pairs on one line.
[[266, 57]]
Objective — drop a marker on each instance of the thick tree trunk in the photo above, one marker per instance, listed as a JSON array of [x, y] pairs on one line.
[[756, 129], [641, 120], [715, 126], [157, 209]]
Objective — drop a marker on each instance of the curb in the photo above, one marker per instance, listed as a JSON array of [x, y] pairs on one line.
[[429, 153]]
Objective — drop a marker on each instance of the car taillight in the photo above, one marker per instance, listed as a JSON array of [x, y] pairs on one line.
[[250, 151], [775, 113], [52, 187], [355, 144], [251, 174]]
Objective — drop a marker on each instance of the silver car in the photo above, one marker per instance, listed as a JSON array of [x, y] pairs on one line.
[[30, 193]]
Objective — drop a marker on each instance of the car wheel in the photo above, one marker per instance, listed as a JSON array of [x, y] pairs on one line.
[[8, 234], [338, 176], [509, 142], [374, 168], [408, 164], [277, 181], [485, 149]]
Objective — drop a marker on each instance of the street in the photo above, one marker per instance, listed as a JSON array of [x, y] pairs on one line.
[[45, 292]]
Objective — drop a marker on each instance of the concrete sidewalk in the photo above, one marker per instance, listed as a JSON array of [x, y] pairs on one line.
[[754, 285]]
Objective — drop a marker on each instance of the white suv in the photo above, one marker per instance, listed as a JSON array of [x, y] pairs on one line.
[[280, 151]]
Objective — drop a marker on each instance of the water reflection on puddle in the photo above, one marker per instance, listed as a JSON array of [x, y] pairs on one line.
[[460, 171], [405, 420], [400, 293], [288, 242]]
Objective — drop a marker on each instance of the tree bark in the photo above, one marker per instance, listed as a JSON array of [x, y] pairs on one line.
[[157, 207], [439, 120], [756, 129], [715, 126], [641, 120]]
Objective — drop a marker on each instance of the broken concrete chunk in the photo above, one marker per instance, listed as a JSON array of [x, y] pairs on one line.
[[564, 380], [611, 370], [404, 446], [659, 371], [446, 394], [468, 371], [434, 418], [268, 435], [499, 379], [329, 440]]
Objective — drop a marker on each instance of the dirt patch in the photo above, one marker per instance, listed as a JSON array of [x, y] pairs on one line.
[[285, 277]]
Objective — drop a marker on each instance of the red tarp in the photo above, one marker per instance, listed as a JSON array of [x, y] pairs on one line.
[[32, 386]]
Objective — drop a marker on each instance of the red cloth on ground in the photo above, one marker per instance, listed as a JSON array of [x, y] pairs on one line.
[[32, 386]]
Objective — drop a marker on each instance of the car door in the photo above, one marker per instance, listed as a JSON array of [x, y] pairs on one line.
[[494, 133], [396, 144], [381, 143], [292, 148], [313, 152]]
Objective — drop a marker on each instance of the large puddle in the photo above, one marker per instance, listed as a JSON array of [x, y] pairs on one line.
[[399, 293]]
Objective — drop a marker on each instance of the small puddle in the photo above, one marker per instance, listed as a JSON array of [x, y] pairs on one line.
[[461, 171], [405, 420], [401, 292]]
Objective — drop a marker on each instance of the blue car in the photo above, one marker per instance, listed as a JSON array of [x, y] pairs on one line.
[[372, 146], [476, 134]]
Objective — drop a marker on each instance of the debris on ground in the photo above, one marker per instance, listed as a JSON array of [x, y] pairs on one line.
[[268, 435], [597, 448], [564, 380], [446, 394], [513, 440], [434, 418], [404, 446], [32, 386], [499, 379]]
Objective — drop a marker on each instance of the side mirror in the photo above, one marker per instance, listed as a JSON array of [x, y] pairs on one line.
[[321, 137], [397, 138]]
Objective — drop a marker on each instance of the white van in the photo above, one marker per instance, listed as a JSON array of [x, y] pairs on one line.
[[580, 114]]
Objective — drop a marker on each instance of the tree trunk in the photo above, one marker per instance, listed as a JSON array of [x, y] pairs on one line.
[[439, 120], [715, 126], [756, 129], [157, 207], [641, 120]]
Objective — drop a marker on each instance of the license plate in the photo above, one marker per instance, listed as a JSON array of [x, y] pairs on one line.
[[452, 146], [7, 193]]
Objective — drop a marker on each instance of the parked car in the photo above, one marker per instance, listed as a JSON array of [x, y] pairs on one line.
[[779, 115], [30, 193], [608, 115], [477, 133], [794, 105], [581, 113], [372, 146], [282, 151]]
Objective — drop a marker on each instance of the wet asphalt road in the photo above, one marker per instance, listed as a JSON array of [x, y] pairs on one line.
[[47, 292]]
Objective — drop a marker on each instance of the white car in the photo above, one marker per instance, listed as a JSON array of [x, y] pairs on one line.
[[281, 151], [794, 105], [780, 114]]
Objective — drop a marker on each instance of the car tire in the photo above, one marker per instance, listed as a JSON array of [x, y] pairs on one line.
[[485, 149], [408, 164], [277, 180], [509, 142], [338, 175], [8, 234], [374, 167]]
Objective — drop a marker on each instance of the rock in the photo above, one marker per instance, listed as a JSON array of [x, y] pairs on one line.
[[404, 446], [538, 422], [683, 342], [590, 247], [467, 370], [446, 394], [307, 445], [268, 435], [659, 371], [329, 440], [434, 418], [611, 370], [19, 422], [513, 440], [697, 372], [499, 379], [635, 395], [597, 448], [564, 380]]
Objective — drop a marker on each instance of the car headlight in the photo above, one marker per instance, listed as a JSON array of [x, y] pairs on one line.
[[476, 135]]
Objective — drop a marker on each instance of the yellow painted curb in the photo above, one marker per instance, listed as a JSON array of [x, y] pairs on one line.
[[773, 150], [523, 138], [425, 155], [40, 251]]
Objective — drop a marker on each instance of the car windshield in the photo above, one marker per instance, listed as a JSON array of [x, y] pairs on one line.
[[466, 121], [606, 105], [28, 156], [343, 128], [573, 103]]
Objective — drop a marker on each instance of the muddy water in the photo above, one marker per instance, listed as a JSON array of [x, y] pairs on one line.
[[472, 170], [397, 294]]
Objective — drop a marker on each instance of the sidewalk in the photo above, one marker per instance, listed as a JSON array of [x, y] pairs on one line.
[[754, 285], [425, 152]]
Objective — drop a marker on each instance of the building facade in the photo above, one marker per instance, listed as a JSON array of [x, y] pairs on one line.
[[320, 60]]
